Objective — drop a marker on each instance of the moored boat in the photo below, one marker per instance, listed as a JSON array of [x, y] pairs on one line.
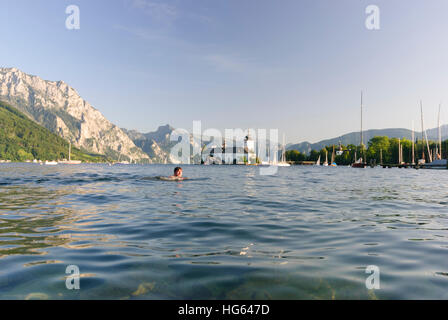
[[70, 161], [333, 163], [436, 164], [360, 163], [326, 159], [283, 162]]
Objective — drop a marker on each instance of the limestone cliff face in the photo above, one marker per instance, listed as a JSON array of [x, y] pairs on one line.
[[155, 144], [158, 145], [58, 107]]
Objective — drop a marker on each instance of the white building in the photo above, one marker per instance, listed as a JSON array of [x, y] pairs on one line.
[[244, 154]]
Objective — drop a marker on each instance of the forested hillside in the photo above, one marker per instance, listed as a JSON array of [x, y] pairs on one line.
[[22, 139]]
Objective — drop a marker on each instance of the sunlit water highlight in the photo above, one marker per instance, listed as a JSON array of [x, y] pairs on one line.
[[229, 233]]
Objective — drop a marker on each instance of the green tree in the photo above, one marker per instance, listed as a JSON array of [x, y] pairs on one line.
[[295, 155], [314, 155], [22, 139], [378, 145]]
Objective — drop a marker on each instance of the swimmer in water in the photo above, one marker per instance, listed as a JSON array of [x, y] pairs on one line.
[[177, 174]]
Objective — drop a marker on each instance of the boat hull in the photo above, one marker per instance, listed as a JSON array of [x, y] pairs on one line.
[[359, 165], [70, 162], [282, 164], [436, 164]]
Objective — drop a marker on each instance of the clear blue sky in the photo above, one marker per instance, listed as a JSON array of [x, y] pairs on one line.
[[294, 65]]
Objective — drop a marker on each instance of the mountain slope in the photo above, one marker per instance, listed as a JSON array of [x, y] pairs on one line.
[[156, 145], [22, 139], [59, 108]]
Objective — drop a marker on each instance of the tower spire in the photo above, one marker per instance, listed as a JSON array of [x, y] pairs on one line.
[[362, 137]]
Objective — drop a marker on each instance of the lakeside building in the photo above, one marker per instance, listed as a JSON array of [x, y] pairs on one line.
[[231, 155]]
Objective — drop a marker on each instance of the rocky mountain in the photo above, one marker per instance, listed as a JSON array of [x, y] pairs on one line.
[[58, 107], [354, 138], [156, 145]]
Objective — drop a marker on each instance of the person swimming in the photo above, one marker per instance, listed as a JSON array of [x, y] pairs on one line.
[[177, 176], [177, 173]]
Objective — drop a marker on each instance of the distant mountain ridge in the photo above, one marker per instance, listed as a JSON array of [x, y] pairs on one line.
[[58, 107], [355, 137], [157, 144]]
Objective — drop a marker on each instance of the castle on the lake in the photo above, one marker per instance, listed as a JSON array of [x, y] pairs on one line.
[[222, 154]]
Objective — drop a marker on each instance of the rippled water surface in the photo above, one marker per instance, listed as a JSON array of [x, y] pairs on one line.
[[229, 233]]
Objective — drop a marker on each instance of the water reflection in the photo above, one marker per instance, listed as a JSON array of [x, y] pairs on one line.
[[34, 218]]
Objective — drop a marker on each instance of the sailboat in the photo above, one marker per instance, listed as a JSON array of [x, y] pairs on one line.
[[438, 162], [359, 163], [268, 162], [70, 161], [326, 159], [333, 164], [317, 162], [283, 162], [440, 134]]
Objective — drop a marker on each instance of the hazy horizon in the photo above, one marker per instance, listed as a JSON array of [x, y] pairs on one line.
[[295, 66]]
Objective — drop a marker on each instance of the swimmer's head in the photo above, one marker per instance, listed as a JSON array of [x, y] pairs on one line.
[[178, 172]]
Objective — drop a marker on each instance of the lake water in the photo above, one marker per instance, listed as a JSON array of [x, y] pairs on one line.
[[229, 233]]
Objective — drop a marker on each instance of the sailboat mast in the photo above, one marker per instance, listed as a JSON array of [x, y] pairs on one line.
[[284, 150], [70, 151], [427, 145], [362, 138], [401, 154], [332, 156], [426, 136], [423, 139], [440, 134], [413, 147]]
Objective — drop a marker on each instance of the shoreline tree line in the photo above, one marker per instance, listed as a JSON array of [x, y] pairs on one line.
[[379, 148]]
